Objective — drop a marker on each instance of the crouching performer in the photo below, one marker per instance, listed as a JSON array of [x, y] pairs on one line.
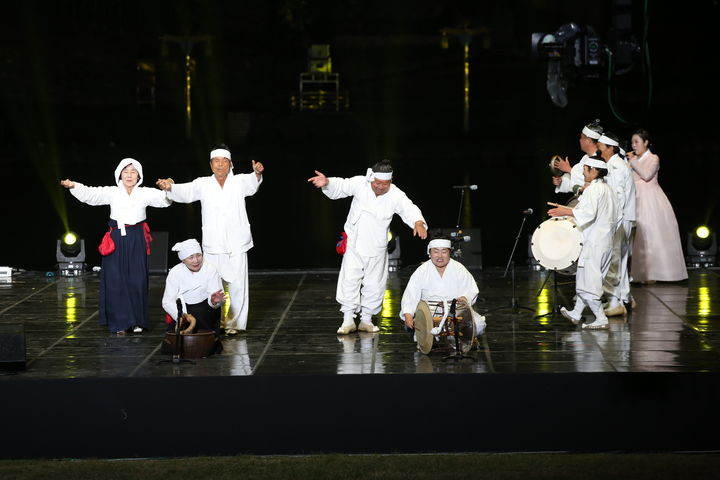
[[198, 286], [430, 291]]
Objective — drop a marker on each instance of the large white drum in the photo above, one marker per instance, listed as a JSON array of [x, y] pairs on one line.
[[556, 244]]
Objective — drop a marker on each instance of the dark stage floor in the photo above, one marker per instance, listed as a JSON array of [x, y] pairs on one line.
[[293, 318]]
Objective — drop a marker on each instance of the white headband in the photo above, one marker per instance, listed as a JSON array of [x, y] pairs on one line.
[[369, 175], [608, 141], [590, 133], [439, 243], [591, 162], [187, 248], [220, 152], [622, 152]]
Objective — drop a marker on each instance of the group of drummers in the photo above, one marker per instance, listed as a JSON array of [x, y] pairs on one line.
[[604, 213]]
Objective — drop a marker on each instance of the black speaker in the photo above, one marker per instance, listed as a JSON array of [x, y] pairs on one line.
[[158, 259], [12, 347]]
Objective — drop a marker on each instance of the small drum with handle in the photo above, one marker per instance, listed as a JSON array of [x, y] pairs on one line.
[[556, 245]]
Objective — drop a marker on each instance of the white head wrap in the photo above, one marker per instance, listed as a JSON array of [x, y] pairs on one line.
[[590, 133], [124, 163], [608, 141], [220, 152], [439, 243], [187, 248], [370, 175], [591, 162]]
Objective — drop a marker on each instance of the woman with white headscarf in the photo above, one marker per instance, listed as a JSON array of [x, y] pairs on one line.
[[126, 246], [197, 285]]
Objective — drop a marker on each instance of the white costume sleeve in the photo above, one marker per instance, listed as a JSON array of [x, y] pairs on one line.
[[586, 209], [156, 198], [342, 187], [186, 192], [409, 212], [411, 295], [250, 183], [93, 195], [468, 285], [564, 186], [172, 291]]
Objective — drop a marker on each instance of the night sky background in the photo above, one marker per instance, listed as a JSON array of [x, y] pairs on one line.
[[69, 108]]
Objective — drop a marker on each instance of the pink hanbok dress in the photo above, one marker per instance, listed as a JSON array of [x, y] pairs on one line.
[[657, 251]]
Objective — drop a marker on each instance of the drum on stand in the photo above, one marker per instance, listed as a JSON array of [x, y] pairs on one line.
[[556, 244]]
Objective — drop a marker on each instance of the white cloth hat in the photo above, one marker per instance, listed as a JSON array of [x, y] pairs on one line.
[[220, 152], [590, 133], [439, 243], [124, 163], [187, 248], [370, 175], [608, 141], [591, 162]]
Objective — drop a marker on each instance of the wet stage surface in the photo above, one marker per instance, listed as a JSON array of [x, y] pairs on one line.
[[293, 318]]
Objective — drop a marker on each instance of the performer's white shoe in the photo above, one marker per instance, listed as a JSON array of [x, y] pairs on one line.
[[565, 313], [346, 328], [597, 325], [367, 327]]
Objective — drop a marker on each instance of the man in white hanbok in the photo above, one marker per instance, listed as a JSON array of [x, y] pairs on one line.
[[226, 235], [617, 282], [572, 180], [435, 282], [364, 270], [596, 217]]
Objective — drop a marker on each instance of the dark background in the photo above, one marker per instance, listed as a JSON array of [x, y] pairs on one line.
[[69, 78]]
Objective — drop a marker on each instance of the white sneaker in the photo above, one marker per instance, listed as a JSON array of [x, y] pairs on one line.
[[346, 328], [597, 325], [367, 327], [565, 313], [137, 329]]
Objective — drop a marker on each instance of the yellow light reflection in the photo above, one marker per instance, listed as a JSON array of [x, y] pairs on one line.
[[70, 308], [543, 306], [225, 308], [702, 232], [704, 309], [389, 308]]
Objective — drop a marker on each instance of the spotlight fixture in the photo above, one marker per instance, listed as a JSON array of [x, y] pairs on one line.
[[701, 248], [393, 249], [70, 255]]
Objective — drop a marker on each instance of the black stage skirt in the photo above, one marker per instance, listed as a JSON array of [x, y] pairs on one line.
[[207, 318], [124, 280]]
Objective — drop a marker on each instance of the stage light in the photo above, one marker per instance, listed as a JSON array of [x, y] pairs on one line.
[[70, 255], [701, 248], [393, 248]]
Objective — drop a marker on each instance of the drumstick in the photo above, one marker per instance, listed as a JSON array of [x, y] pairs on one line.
[[555, 204]]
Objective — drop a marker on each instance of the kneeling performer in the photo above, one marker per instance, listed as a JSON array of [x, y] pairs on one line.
[[442, 279], [198, 286]]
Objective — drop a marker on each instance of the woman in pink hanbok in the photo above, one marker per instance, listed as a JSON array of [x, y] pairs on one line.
[[657, 253]]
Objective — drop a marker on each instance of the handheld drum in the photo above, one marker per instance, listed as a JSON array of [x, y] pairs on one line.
[[556, 245]]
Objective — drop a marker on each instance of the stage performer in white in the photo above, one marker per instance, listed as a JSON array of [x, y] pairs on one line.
[[364, 270], [572, 180], [226, 235], [198, 286], [439, 280], [125, 247], [617, 283], [596, 217]]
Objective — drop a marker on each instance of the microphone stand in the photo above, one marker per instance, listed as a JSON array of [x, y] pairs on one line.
[[458, 355], [177, 348], [514, 305]]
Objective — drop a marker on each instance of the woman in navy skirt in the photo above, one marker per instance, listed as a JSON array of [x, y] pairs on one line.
[[124, 274]]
